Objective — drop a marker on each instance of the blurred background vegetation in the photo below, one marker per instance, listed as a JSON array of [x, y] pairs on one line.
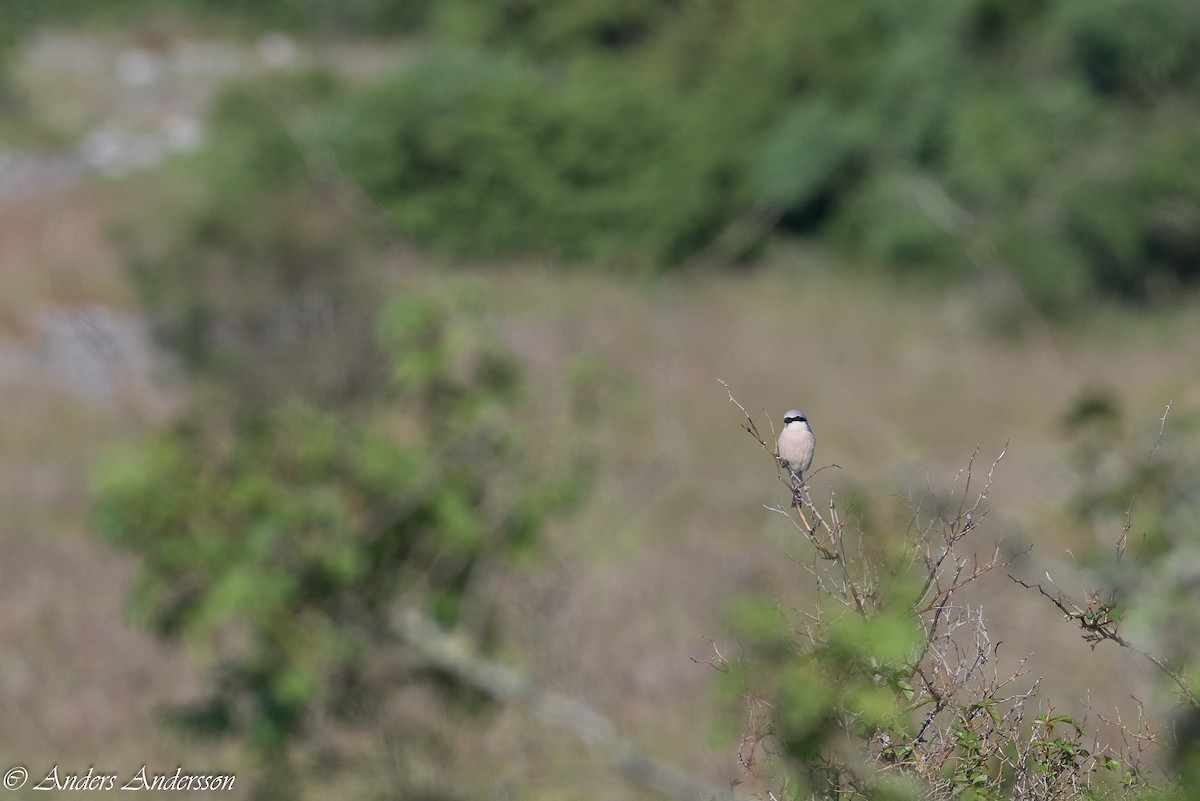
[[322, 310], [1050, 142]]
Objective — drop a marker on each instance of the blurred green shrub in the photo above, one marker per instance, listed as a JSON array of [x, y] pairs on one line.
[[551, 28], [281, 537], [328, 17], [1125, 46], [1060, 133], [1030, 119], [351, 448], [885, 689], [884, 223], [801, 154], [476, 155]]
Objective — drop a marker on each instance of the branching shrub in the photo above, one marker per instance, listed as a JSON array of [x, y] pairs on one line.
[[885, 684], [351, 452], [1137, 585], [281, 539]]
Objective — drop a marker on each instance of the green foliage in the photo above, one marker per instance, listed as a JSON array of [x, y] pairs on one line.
[[338, 17], [1056, 138], [551, 28], [351, 450], [1130, 46], [476, 155], [284, 536], [827, 112], [872, 702], [801, 154], [1055, 275], [843, 676], [361, 17], [886, 223]]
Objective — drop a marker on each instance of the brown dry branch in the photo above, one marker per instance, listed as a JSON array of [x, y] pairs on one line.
[[1139, 740], [1099, 619], [954, 531], [1099, 623], [970, 724], [751, 428], [751, 746], [1162, 426]]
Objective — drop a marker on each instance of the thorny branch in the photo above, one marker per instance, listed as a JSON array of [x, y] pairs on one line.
[[1162, 425], [1098, 623], [751, 428], [971, 728], [1098, 618], [957, 530]]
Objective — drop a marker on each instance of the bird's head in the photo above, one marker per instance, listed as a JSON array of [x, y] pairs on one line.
[[794, 417]]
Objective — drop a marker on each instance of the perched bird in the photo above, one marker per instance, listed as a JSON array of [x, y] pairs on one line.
[[795, 446]]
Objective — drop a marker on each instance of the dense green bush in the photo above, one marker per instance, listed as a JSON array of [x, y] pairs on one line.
[[1029, 122], [351, 450], [328, 17], [282, 537], [476, 155], [566, 29], [1124, 46], [1051, 140]]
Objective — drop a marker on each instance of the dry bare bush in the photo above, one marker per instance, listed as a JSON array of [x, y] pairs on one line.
[[890, 686]]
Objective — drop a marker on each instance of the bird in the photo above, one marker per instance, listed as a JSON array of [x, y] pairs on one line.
[[795, 447]]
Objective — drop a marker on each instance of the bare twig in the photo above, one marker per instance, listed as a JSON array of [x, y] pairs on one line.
[[1098, 625], [1162, 425], [749, 426], [973, 731]]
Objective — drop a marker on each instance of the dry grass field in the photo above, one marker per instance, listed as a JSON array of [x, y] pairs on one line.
[[901, 385]]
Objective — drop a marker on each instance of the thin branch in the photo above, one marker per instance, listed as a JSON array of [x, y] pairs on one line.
[[1162, 425], [749, 426], [1098, 625]]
